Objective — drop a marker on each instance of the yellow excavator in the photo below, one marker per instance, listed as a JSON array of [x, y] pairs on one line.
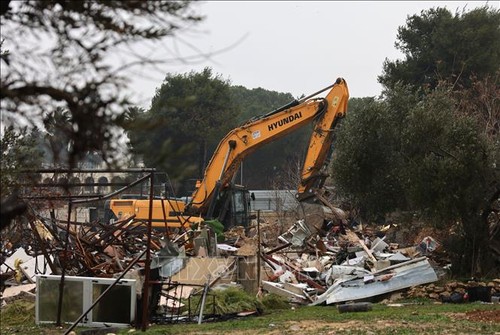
[[217, 197]]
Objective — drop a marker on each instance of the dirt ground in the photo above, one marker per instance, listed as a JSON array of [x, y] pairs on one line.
[[478, 320], [483, 316], [385, 326], [378, 327]]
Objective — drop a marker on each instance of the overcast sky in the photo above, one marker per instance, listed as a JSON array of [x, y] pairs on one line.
[[298, 47]]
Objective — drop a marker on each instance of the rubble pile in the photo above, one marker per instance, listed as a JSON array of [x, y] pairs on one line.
[[328, 262], [183, 263], [319, 259]]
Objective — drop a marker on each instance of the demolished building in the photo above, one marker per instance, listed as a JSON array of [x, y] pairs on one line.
[[318, 259]]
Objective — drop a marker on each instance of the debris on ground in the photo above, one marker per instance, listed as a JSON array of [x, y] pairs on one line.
[[322, 258]]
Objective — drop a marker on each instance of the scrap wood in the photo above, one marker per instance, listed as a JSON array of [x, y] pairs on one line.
[[337, 212], [278, 248], [365, 248], [42, 231], [351, 236], [272, 265], [399, 265], [290, 265], [170, 303], [298, 275], [180, 292], [51, 228], [306, 294], [279, 289], [102, 265], [13, 292]]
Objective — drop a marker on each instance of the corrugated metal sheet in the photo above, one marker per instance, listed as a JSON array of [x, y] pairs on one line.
[[354, 287]]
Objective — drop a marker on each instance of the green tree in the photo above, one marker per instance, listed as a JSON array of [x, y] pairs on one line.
[[441, 46], [424, 156], [257, 101], [268, 167], [59, 54], [189, 115], [20, 151], [431, 144], [450, 175], [365, 165]]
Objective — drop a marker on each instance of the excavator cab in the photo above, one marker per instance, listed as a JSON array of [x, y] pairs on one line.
[[232, 207], [240, 207]]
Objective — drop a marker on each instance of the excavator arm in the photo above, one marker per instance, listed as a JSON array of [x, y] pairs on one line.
[[255, 133], [320, 144]]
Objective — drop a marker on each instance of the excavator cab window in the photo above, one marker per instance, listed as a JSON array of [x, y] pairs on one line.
[[232, 207], [240, 207]]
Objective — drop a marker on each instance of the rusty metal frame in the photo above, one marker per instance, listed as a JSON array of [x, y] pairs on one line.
[[72, 200]]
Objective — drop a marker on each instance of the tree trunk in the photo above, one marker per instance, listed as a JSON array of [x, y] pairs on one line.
[[477, 260]]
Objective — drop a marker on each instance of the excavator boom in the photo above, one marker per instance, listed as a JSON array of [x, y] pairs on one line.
[[242, 141]]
